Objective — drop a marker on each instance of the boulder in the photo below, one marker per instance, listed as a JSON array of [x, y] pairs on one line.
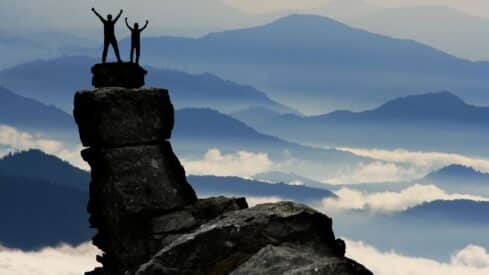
[[297, 260], [222, 245], [114, 117], [169, 227], [127, 75], [196, 214]]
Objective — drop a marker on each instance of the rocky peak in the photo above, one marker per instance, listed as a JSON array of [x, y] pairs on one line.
[[149, 219]]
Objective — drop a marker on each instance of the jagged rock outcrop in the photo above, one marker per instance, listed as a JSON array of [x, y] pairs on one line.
[[149, 220], [127, 75], [230, 240]]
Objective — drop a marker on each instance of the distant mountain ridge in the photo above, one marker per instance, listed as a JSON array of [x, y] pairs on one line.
[[37, 213], [459, 172], [440, 122], [36, 165], [440, 106], [29, 114], [471, 212], [323, 65], [55, 81], [398, 22]]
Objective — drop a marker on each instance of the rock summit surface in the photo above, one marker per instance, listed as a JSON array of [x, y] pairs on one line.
[[120, 74]]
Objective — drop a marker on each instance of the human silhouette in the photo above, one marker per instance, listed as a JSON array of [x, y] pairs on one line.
[[109, 34], [136, 39]]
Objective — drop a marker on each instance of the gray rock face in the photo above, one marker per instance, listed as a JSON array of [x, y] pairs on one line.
[[222, 245], [290, 260], [139, 180], [127, 75], [114, 117]]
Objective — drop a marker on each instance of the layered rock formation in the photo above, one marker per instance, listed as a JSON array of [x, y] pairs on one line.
[[148, 217]]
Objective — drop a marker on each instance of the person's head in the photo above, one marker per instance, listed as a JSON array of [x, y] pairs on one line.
[[136, 26], [109, 16]]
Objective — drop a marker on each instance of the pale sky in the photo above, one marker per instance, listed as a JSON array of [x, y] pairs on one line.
[[476, 7], [193, 18], [187, 15]]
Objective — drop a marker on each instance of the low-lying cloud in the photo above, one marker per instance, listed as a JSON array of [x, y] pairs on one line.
[[68, 260], [376, 172], [62, 260], [422, 160], [241, 164], [17, 140], [472, 260], [388, 202]]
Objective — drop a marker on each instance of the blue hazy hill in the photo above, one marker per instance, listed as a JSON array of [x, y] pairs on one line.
[[317, 64], [201, 129], [55, 81], [19, 49], [37, 165], [457, 211], [37, 213], [29, 114], [457, 172], [434, 121], [460, 179]]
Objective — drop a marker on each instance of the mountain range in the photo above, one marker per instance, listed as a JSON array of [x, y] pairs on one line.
[[55, 81], [198, 130], [324, 65], [462, 35], [439, 122], [328, 63], [459, 179], [31, 115]]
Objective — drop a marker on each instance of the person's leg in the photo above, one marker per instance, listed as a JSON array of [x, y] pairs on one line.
[[138, 52], [106, 49], [132, 53], [116, 49]]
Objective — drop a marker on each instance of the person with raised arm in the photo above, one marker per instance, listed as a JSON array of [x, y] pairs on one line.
[[109, 34], [136, 39]]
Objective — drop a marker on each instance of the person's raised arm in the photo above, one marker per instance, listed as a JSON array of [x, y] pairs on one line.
[[118, 16], [98, 15], [128, 26], [145, 25]]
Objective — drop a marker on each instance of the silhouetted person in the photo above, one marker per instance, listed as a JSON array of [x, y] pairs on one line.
[[109, 35], [136, 39]]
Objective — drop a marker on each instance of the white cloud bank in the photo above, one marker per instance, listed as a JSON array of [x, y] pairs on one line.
[[67, 260], [241, 164], [388, 202], [62, 260], [400, 165], [472, 260], [427, 160], [376, 172], [17, 140]]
